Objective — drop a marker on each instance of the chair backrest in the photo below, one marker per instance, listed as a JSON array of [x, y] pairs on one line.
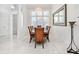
[[30, 29], [39, 35], [39, 26], [48, 28]]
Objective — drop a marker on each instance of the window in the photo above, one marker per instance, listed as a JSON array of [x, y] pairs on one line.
[[40, 18]]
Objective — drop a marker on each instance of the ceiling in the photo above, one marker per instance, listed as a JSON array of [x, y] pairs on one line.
[[33, 6]]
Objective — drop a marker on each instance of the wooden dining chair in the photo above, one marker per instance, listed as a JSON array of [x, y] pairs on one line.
[[31, 33], [39, 36], [39, 26], [47, 33]]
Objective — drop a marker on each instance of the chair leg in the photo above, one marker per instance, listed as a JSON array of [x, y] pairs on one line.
[[35, 44], [43, 45], [48, 38], [30, 39]]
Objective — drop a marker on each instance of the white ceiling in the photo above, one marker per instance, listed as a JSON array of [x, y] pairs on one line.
[[32, 6]]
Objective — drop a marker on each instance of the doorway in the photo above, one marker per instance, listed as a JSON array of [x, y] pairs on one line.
[[14, 17]]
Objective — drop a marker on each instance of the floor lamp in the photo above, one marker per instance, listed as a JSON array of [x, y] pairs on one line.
[[70, 48]]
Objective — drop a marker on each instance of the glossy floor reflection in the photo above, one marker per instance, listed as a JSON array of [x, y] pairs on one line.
[[57, 45]]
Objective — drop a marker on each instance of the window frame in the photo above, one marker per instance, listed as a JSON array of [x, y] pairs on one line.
[[36, 16]]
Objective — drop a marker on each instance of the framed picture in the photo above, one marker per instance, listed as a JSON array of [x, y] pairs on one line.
[[60, 16]]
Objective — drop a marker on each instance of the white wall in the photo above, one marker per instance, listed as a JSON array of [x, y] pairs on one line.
[[55, 7], [26, 22], [73, 12], [4, 20], [19, 22]]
